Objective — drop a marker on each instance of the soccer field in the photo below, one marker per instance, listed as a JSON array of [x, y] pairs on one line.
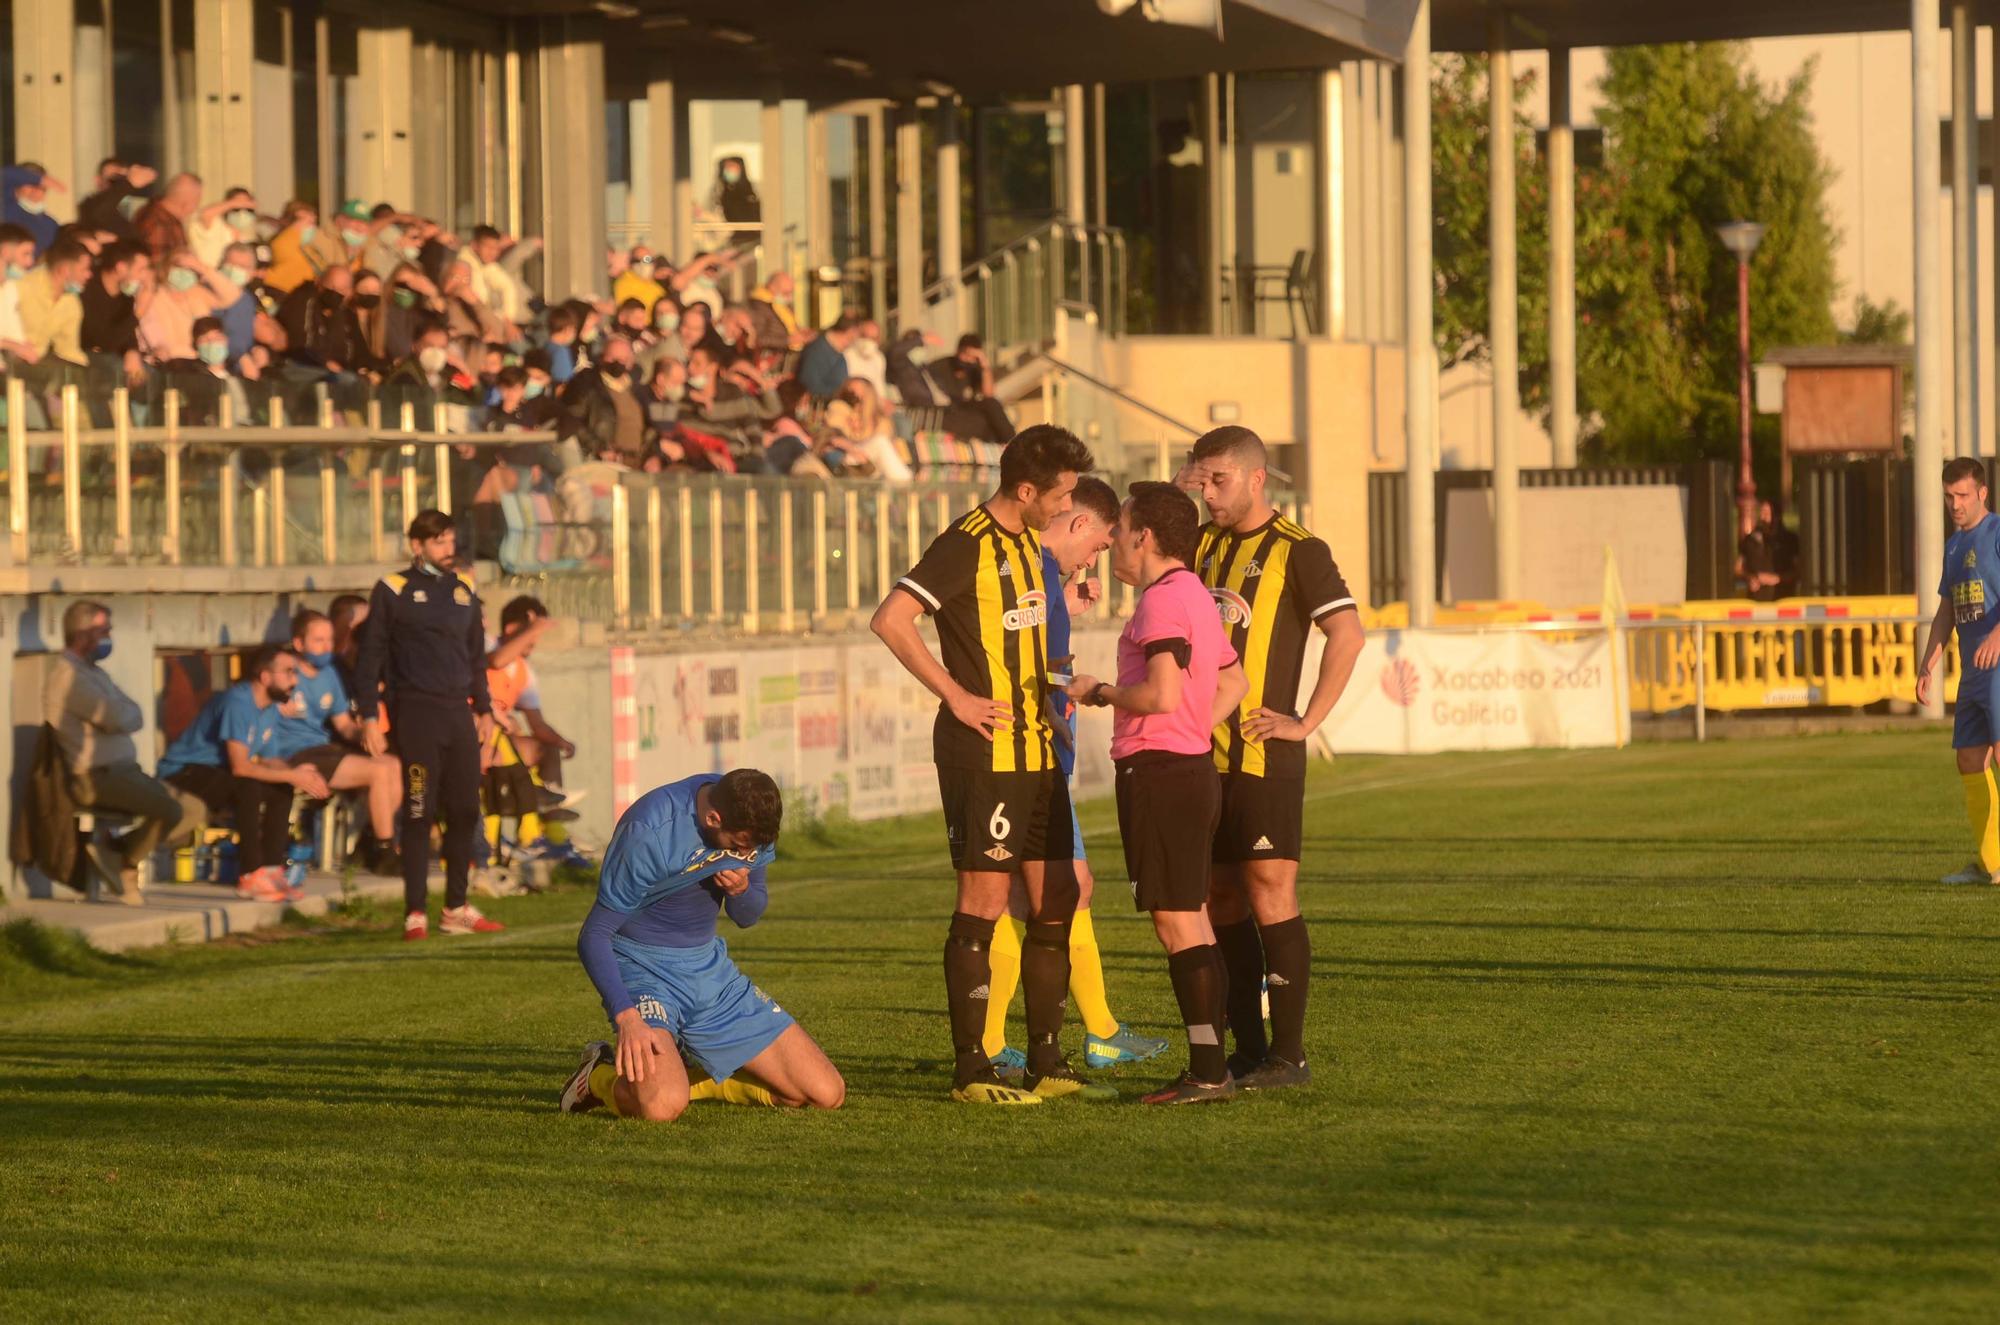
[[1670, 1032]]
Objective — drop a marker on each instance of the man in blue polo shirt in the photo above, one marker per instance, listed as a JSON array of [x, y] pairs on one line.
[[229, 758], [317, 726]]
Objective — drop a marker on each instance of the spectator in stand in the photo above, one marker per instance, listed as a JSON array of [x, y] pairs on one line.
[[823, 366], [695, 328], [414, 302], [494, 262], [220, 224], [664, 393], [695, 283], [95, 722], [214, 375], [863, 418], [190, 291], [393, 239], [163, 223], [563, 329], [120, 194], [351, 230], [913, 385], [370, 314], [735, 199], [541, 393], [291, 260], [787, 450], [601, 411], [17, 257], [240, 316], [229, 758], [636, 282], [27, 190], [325, 339], [317, 729], [467, 315], [972, 412], [512, 411], [864, 357], [635, 324], [429, 367], [117, 297], [665, 339], [776, 324], [52, 316]]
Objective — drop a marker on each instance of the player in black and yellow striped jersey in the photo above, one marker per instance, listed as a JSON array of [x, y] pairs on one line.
[[1274, 583], [1006, 803]]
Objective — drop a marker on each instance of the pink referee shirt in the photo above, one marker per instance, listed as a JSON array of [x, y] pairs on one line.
[[1176, 615]]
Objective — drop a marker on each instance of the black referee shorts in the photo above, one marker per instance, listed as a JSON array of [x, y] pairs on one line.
[[994, 821], [326, 759], [1262, 819], [1167, 810]]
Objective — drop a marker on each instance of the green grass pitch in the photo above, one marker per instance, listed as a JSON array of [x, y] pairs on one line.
[[1664, 1033]]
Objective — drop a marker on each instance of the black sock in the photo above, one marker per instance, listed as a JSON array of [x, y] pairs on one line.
[[1045, 990], [1199, 980], [1288, 958], [967, 973], [1243, 956]]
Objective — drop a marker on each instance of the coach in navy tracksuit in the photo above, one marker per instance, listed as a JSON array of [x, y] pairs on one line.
[[425, 640]]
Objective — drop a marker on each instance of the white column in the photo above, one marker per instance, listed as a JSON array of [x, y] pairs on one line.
[[1419, 357], [771, 188], [1927, 453], [664, 142], [1100, 209], [1503, 327], [910, 218], [45, 111], [1073, 155], [1965, 227], [951, 255], [1562, 263], [1215, 255], [878, 213], [573, 150], [1330, 187]]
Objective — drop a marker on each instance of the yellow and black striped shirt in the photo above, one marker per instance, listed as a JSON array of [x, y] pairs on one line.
[[984, 585], [1272, 584]]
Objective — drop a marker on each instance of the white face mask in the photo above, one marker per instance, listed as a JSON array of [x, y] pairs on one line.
[[698, 382], [431, 359]]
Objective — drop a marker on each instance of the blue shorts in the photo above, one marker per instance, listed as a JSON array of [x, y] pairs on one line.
[[698, 996], [1973, 715]]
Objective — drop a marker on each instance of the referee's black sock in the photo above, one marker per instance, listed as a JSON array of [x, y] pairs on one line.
[[1199, 980], [1045, 990], [1288, 959], [967, 974], [1243, 955]]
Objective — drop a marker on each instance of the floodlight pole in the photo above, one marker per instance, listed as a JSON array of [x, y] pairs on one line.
[[1741, 238]]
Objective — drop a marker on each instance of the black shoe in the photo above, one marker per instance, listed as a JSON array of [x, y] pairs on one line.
[[1184, 1089], [1242, 1065], [560, 816], [1275, 1073], [385, 861]]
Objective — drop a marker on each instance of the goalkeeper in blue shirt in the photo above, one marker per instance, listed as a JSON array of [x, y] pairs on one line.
[[680, 855]]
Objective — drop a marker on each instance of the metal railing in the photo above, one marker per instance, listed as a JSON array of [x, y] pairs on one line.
[[1010, 296]]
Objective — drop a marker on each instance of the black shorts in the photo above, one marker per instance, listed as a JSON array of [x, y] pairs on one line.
[[324, 758], [994, 821], [1260, 818], [214, 787], [1167, 807]]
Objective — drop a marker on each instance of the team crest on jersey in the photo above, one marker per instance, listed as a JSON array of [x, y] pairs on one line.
[[419, 596], [1031, 610], [1971, 559], [1233, 606], [998, 853], [326, 700], [1252, 570], [461, 595]]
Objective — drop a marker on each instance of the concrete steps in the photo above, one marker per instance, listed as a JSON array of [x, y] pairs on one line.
[[189, 912]]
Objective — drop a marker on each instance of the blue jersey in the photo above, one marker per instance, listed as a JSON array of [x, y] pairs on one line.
[[324, 699], [232, 715], [1971, 584], [1062, 707], [657, 849]]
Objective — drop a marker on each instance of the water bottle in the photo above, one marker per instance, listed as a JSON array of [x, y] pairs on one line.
[[225, 863], [298, 860]]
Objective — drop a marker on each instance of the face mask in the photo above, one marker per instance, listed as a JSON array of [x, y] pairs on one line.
[[102, 651], [404, 296], [390, 234], [699, 382], [232, 272], [732, 176], [180, 278], [32, 208], [706, 283], [411, 252], [675, 393], [128, 288], [533, 390], [72, 287], [15, 271], [130, 207], [318, 660], [867, 346], [213, 352], [331, 299], [364, 302], [667, 321], [644, 266], [431, 359], [354, 238], [614, 371], [243, 222], [430, 567], [308, 233]]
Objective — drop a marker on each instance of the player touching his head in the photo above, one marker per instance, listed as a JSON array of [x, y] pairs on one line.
[[679, 854], [1968, 594], [1072, 541], [1273, 583], [1177, 676]]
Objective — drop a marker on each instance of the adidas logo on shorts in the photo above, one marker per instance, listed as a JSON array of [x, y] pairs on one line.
[[1262, 844], [982, 993]]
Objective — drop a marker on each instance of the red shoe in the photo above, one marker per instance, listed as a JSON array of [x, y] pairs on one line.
[[415, 926], [264, 885], [467, 920]]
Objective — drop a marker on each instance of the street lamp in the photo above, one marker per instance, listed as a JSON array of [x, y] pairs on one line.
[[1742, 238]]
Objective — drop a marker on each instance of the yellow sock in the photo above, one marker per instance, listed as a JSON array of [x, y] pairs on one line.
[[1982, 809], [604, 1085], [1086, 978], [492, 832], [531, 827], [732, 1091], [1005, 959]]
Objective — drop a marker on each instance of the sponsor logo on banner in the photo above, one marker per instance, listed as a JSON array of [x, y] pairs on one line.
[[1031, 610], [1233, 606], [1400, 681], [1493, 691]]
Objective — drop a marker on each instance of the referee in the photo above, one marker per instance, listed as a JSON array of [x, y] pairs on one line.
[[425, 640]]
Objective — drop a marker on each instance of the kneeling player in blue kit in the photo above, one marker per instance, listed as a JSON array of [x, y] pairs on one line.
[[680, 854]]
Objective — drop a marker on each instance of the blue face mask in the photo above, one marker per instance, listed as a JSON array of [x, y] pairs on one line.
[[532, 390], [213, 352], [318, 661], [72, 287], [102, 651], [431, 567], [308, 233], [15, 271], [180, 278]]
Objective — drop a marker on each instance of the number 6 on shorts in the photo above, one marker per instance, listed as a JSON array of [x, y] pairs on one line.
[[997, 827]]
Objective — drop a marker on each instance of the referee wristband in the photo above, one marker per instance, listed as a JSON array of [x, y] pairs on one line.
[[1097, 698]]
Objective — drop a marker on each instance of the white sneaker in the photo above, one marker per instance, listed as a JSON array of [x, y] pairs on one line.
[[467, 920], [1972, 873]]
